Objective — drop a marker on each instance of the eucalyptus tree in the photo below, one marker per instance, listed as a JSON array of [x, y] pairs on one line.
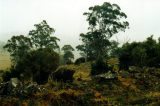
[[41, 36], [68, 55], [104, 21], [18, 46]]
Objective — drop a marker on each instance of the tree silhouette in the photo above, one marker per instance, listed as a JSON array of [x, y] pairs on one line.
[[68, 54], [104, 21], [18, 46], [41, 36]]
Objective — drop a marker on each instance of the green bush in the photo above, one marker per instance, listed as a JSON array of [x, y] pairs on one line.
[[140, 54], [99, 67], [37, 64], [63, 74]]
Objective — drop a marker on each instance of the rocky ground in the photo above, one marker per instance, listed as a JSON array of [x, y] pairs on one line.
[[136, 86]]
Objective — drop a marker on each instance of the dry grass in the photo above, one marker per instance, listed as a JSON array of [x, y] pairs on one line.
[[82, 71], [153, 94], [4, 61], [128, 82]]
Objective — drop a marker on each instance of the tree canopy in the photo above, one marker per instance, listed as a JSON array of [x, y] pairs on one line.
[[104, 21], [146, 53], [41, 36], [18, 46]]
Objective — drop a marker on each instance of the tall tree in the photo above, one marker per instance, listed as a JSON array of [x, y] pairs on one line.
[[18, 46], [104, 21], [41, 36], [68, 53]]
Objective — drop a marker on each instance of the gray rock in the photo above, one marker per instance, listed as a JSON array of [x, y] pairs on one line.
[[106, 76], [14, 82]]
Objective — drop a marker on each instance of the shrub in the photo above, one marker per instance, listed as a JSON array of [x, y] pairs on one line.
[[99, 67], [63, 74], [37, 64]]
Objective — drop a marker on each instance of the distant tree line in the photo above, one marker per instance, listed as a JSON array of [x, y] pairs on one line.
[[146, 53]]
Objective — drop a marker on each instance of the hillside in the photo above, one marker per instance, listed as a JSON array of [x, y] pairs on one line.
[[133, 87]]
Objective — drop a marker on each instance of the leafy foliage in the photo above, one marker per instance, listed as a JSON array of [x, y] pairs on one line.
[[146, 53], [104, 21], [38, 64], [41, 36], [18, 46], [106, 18]]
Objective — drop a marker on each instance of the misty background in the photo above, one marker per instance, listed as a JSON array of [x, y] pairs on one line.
[[17, 17]]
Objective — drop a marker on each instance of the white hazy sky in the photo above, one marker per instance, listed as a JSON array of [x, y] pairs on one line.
[[66, 16]]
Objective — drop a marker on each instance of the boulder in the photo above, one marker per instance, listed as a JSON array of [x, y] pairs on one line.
[[14, 82], [63, 74]]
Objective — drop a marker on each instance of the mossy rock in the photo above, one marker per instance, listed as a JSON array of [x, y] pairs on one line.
[[63, 74]]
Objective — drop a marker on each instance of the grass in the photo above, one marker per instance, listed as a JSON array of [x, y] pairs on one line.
[[4, 61]]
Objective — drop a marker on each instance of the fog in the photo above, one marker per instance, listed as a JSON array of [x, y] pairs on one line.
[[66, 16]]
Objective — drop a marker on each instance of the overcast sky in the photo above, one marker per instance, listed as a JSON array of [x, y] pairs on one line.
[[66, 16]]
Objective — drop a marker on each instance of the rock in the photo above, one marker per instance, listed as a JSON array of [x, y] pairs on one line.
[[8, 88], [14, 82], [63, 74], [106, 76]]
